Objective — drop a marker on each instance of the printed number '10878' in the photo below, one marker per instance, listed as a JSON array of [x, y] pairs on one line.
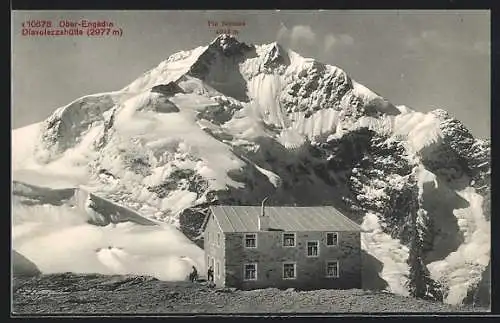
[[37, 24]]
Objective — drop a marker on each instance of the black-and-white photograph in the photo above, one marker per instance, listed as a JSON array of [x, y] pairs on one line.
[[250, 162]]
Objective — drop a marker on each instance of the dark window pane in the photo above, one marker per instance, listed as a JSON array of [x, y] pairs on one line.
[[289, 240], [288, 271], [250, 272], [312, 248], [331, 239], [250, 241], [332, 269]]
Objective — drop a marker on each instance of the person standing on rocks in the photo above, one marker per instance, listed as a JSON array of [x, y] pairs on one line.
[[210, 274], [194, 275]]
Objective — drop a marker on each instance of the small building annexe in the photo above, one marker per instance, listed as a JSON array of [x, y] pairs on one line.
[[253, 247]]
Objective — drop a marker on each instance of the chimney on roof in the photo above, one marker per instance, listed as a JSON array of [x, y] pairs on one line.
[[263, 219]]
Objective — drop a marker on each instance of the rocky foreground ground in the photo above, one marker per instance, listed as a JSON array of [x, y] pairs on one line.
[[93, 294]]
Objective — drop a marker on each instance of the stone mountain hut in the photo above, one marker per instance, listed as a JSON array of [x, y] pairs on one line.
[[285, 247]]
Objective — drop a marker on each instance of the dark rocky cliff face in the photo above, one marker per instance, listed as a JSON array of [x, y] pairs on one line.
[[480, 294]]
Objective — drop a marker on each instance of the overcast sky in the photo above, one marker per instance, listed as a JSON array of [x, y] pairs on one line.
[[423, 59]]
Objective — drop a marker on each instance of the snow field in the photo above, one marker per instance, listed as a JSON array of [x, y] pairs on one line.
[[58, 239], [387, 250], [462, 268]]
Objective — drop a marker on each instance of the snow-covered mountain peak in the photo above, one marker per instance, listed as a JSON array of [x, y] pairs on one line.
[[229, 45], [275, 55]]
